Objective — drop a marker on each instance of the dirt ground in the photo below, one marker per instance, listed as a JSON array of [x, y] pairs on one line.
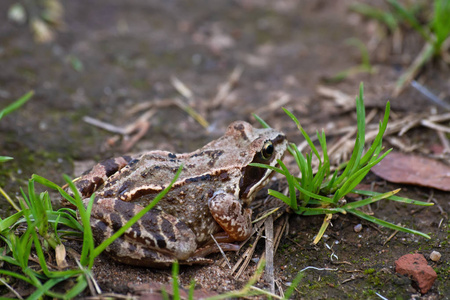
[[131, 50]]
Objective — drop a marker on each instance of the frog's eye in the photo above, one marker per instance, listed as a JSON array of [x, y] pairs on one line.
[[267, 150]]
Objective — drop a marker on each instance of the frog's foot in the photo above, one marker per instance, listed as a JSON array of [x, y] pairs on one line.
[[157, 239], [231, 216], [89, 182]]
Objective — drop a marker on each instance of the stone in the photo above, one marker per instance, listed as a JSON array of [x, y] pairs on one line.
[[435, 256], [416, 267]]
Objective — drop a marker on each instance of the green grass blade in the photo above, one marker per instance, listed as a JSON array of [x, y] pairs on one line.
[[87, 252], [79, 287], [356, 178], [305, 135], [410, 18], [441, 22], [356, 204], [323, 144], [382, 16], [10, 260], [385, 223], [291, 181], [261, 121], [10, 221], [175, 284], [16, 275], [191, 290], [311, 211], [49, 184], [394, 198], [16, 104], [278, 170], [312, 195], [361, 125], [5, 158], [294, 284], [45, 289], [302, 165], [378, 139], [280, 196]]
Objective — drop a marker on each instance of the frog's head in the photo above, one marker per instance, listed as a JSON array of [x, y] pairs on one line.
[[265, 146]]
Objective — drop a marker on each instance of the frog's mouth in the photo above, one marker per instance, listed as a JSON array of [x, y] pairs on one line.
[[255, 178], [252, 181]]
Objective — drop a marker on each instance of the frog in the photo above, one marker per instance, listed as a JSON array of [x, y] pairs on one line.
[[207, 207]]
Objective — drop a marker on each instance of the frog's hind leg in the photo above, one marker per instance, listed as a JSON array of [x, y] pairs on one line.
[[89, 182], [157, 239]]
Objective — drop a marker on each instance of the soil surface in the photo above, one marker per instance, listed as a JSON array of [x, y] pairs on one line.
[[111, 56]]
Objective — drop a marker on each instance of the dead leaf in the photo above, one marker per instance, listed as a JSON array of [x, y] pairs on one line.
[[60, 251], [413, 169]]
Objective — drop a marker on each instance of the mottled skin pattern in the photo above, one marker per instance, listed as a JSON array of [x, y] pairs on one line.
[[210, 197]]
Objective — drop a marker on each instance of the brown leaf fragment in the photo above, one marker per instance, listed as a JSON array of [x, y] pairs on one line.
[[60, 251], [414, 169]]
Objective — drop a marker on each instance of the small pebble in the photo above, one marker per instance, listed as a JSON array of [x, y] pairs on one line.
[[357, 228], [435, 256]]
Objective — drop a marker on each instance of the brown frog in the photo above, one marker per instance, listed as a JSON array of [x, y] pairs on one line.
[[210, 198]]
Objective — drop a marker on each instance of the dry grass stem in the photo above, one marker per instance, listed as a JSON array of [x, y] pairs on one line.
[[340, 98], [221, 251], [225, 88], [444, 141], [412, 71], [281, 101], [244, 260], [11, 289], [396, 142], [435, 126], [103, 125], [191, 112], [391, 236], [182, 89]]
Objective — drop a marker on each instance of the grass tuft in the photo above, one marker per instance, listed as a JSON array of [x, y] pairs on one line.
[[324, 192]]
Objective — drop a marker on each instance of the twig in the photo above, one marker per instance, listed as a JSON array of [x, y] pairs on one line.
[[247, 256], [268, 224], [106, 126], [390, 237], [221, 251], [435, 126]]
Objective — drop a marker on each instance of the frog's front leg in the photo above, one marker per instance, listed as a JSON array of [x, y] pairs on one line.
[[228, 212], [157, 239], [91, 180]]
